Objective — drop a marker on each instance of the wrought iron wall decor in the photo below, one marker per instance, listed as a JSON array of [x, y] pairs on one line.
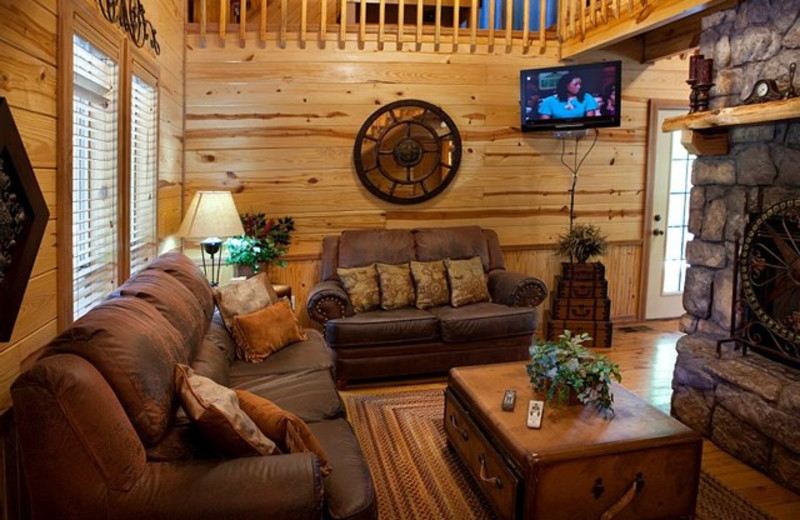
[[766, 315], [23, 218], [407, 151], [129, 14]]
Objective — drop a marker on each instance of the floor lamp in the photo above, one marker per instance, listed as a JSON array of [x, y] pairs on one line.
[[211, 215]]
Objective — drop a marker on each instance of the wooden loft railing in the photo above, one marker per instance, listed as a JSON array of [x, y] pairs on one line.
[[440, 22]]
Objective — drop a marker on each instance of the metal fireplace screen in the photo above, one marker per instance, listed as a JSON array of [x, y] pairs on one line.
[[769, 269]]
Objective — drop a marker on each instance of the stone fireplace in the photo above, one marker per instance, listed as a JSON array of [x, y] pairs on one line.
[[748, 405]]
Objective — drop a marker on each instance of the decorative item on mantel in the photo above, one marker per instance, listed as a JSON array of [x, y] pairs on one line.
[[129, 14], [23, 218], [700, 74], [264, 241]]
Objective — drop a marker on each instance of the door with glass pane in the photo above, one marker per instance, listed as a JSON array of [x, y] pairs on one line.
[[668, 230]]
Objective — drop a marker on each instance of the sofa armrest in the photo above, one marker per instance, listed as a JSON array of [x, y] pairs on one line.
[[278, 487], [515, 289], [327, 301]]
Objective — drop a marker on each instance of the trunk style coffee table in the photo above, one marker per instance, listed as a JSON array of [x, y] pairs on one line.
[[638, 464]]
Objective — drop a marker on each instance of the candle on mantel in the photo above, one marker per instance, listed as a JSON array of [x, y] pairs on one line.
[[693, 60], [704, 68]]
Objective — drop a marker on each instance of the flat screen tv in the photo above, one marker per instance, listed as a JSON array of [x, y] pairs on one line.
[[572, 97]]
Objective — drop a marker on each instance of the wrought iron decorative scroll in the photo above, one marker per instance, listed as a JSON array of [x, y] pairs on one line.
[[766, 315], [129, 14], [407, 151], [23, 218]]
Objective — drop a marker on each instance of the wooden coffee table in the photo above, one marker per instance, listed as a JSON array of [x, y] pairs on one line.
[[640, 464]]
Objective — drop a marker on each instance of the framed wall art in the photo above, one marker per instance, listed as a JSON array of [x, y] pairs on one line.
[[23, 218]]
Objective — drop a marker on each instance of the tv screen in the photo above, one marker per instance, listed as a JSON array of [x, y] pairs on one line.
[[572, 97]]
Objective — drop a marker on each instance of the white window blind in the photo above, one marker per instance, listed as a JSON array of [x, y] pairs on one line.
[[94, 176], [144, 104]]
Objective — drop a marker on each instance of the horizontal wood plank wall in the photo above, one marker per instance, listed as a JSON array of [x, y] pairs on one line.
[[277, 127], [28, 72]]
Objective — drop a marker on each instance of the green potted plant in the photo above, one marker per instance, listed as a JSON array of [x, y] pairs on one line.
[[582, 242], [565, 368], [264, 242]]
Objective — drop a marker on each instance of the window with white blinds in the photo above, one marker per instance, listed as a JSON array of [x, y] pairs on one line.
[[94, 175], [144, 111]]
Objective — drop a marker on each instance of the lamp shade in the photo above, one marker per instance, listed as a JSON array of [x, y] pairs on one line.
[[211, 214]]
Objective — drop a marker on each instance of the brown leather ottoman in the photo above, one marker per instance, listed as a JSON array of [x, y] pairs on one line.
[[640, 464]]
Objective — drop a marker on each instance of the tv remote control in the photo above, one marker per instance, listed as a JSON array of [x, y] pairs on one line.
[[535, 411], [509, 399]]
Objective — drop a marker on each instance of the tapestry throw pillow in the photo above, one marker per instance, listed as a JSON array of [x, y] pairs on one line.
[[430, 281], [244, 297], [467, 281], [288, 431], [361, 285], [215, 410], [266, 331], [396, 285]]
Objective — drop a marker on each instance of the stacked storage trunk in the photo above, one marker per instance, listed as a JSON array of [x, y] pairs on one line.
[[580, 303]]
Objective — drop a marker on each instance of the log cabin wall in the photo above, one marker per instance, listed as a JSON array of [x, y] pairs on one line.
[[277, 126], [28, 72]]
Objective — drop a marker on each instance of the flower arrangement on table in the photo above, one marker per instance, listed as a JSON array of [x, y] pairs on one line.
[[264, 242]]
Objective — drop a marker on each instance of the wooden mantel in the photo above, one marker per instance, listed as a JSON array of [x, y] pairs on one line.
[[706, 132]]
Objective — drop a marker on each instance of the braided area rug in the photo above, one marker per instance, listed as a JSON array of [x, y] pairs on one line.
[[417, 477]]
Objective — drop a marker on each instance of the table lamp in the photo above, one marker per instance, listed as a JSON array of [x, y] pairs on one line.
[[211, 215]]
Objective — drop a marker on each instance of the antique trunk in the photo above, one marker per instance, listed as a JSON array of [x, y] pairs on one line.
[[600, 331], [592, 271], [580, 288], [639, 463], [594, 309]]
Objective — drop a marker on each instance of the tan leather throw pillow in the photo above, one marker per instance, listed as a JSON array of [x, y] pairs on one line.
[[467, 281], [430, 281], [289, 432], [215, 410], [397, 287], [361, 285], [245, 297], [266, 331]]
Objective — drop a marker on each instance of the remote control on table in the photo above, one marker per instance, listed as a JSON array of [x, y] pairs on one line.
[[535, 410], [509, 399]]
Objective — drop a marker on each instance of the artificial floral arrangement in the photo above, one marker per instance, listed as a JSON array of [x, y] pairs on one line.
[[264, 241], [566, 366], [582, 242]]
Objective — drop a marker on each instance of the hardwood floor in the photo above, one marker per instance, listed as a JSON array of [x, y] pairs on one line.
[[646, 355]]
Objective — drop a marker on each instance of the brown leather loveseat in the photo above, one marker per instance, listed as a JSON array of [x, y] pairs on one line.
[[101, 435], [410, 340]]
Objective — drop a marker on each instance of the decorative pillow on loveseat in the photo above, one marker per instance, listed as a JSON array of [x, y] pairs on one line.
[[244, 297], [215, 410], [396, 285], [266, 331], [430, 280], [361, 285], [467, 281], [288, 431]]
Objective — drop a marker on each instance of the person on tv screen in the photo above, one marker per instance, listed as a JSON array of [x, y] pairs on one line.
[[569, 101], [609, 105]]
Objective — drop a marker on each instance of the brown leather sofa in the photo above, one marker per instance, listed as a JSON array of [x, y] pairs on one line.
[[102, 434], [406, 341]]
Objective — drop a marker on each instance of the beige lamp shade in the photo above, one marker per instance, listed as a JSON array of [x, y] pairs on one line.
[[211, 214]]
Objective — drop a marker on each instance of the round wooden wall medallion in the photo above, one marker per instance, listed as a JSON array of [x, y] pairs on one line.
[[407, 152]]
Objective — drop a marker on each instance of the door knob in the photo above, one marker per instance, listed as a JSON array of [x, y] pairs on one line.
[[657, 232], [657, 218]]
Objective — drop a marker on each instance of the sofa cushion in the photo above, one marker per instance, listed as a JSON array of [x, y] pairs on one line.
[[245, 297], [361, 285], [454, 242], [212, 361], [482, 321], [135, 349], [264, 332], [310, 354], [467, 281], [172, 299], [311, 395], [216, 412], [185, 271], [430, 282], [367, 246], [348, 489], [382, 328], [288, 431], [397, 287]]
